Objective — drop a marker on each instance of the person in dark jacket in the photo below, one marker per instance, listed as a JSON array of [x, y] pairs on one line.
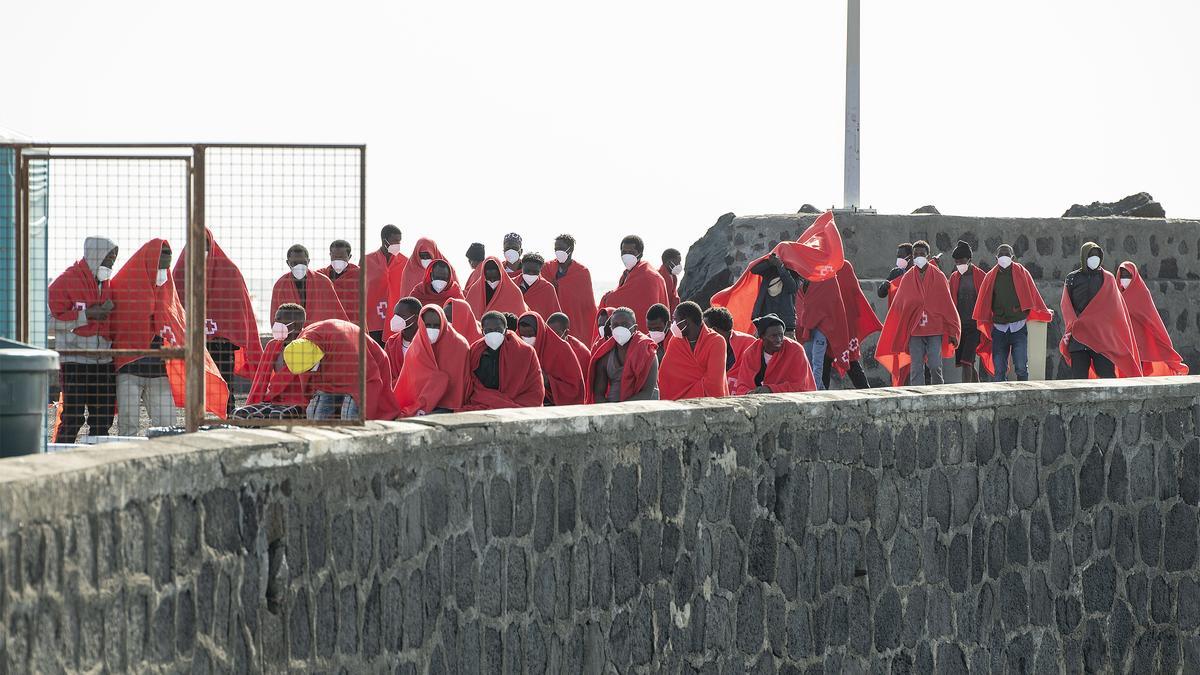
[[904, 256], [777, 293], [1082, 286], [964, 284]]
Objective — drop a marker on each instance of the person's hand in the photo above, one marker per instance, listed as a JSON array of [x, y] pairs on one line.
[[761, 390], [953, 342], [98, 312], [108, 304], [774, 259]]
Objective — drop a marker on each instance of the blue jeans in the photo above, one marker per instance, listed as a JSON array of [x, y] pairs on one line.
[[1015, 343], [332, 406], [814, 349]]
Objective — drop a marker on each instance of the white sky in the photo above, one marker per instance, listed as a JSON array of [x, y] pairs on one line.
[[651, 117]]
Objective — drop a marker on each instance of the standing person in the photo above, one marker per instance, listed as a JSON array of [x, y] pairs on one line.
[[904, 258], [562, 376], [402, 278], [1007, 298], [777, 292], [377, 263], [965, 282], [345, 276], [496, 291], [773, 363], [694, 365], [436, 373], [505, 372], [573, 283], [475, 257], [540, 295], [1098, 338], [922, 323], [861, 322], [403, 326], [821, 327], [624, 367], [438, 286], [80, 302], [640, 285], [720, 320], [230, 329], [462, 317], [147, 316], [325, 356], [1154, 344], [672, 268], [560, 323], [308, 288], [658, 322], [276, 392], [512, 254]]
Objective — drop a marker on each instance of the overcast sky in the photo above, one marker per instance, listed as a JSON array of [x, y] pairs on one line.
[[650, 117]]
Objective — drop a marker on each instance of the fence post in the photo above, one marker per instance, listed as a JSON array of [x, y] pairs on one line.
[[197, 298]]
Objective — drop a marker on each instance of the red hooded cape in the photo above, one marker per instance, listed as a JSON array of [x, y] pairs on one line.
[[1104, 327], [379, 312], [640, 288], [817, 255], [474, 276], [984, 349], [576, 298], [788, 370], [506, 298], [142, 310], [1027, 294], [73, 292], [672, 285], [338, 370], [822, 308], [346, 287], [540, 297], [640, 354], [582, 353], [424, 290], [322, 299], [917, 297], [860, 316], [393, 347], [1154, 344], [738, 341], [520, 376], [435, 375], [464, 320], [282, 386], [560, 366], [694, 373], [402, 277], [228, 311]]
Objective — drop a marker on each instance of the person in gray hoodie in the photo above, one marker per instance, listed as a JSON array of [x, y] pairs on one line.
[[80, 302]]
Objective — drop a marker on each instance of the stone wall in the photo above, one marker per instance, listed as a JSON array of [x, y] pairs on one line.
[[965, 527], [1167, 251]]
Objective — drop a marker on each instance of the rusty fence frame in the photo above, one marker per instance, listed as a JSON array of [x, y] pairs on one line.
[[194, 348]]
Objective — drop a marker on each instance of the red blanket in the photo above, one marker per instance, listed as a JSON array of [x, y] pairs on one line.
[[672, 285], [640, 288], [464, 320], [142, 310], [346, 287], [338, 370], [576, 297], [1153, 341], [506, 298], [918, 299], [322, 301], [640, 355], [474, 276], [402, 278], [788, 370], [378, 310], [520, 376], [541, 297], [273, 384], [692, 373], [605, 312], [73, 292], [1104, 327], [435, 375], [393, 347], [560, 366], [821, 308], [425, 293], [582, 353], [984, 349], [860, 316], [817, 255], [1027, 294], [228, 311]]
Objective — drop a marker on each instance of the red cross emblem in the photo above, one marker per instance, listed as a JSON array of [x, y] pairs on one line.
[[210, 327], [167, 334], [924, 319], [381, 309]]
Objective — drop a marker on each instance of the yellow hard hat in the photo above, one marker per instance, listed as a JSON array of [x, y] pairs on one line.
[[301, 355]]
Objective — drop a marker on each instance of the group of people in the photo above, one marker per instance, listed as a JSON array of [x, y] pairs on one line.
[[523, 330]]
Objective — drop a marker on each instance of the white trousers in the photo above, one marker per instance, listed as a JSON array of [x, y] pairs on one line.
[[154, 392]]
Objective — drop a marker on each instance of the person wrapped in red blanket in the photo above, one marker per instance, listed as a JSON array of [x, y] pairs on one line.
[[860, 321], [377, 263], [573, 284], [276, 393], [658, 326], [719, 319], [561, 373], [404, 328], [1098, 340], [965, 282], [462, 317], [561, 325], [345, 276], [495, 291], [436, 375], [308, 288], [640, 286], [671, 268], [439, 286], [539, 294], [773, 363], [403, 278], [326, 357], [1007, 299], [922, 325], [505, 372], [624, 366], [694, 365], [821, 326], [1154, 344]]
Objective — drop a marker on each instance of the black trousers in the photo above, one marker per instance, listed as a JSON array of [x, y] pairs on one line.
[[1082, 362], [91, 387], [857, 376], [222, 352]]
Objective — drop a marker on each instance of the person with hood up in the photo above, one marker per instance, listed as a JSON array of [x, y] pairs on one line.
[[1153, 341], [860, 321], [495, 291], [325, 356], [403, 278], [436, 372], [821, 326], [640, 285], [773, 363], [462, 317], [562, 377], [438, 286], [777, 292], [1098, 340], [505, 372], [624, 366]]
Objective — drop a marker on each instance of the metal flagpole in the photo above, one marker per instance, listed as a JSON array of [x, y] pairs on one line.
[[850, 183]]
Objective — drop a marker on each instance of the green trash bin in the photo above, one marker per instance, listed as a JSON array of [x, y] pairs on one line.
[[25, 374]]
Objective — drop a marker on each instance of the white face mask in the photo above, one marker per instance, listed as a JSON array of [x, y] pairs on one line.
[[962, 269], [493, 340], [160, 278], [339, 266], [398, 324], [628, 260], [920, 261], [103, 273], [493, 284], [1125, 283], [394, 249], [601, 331], [438, 285], [658, 336], [676, 331], [529, 278], [1093, 262], [901, 263], [1004, 261], [433, 334], [279, 331], [299, 271], [531, 341], [677, 270], [426, 261], [512, 255], [561, 256], [622, 334]]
